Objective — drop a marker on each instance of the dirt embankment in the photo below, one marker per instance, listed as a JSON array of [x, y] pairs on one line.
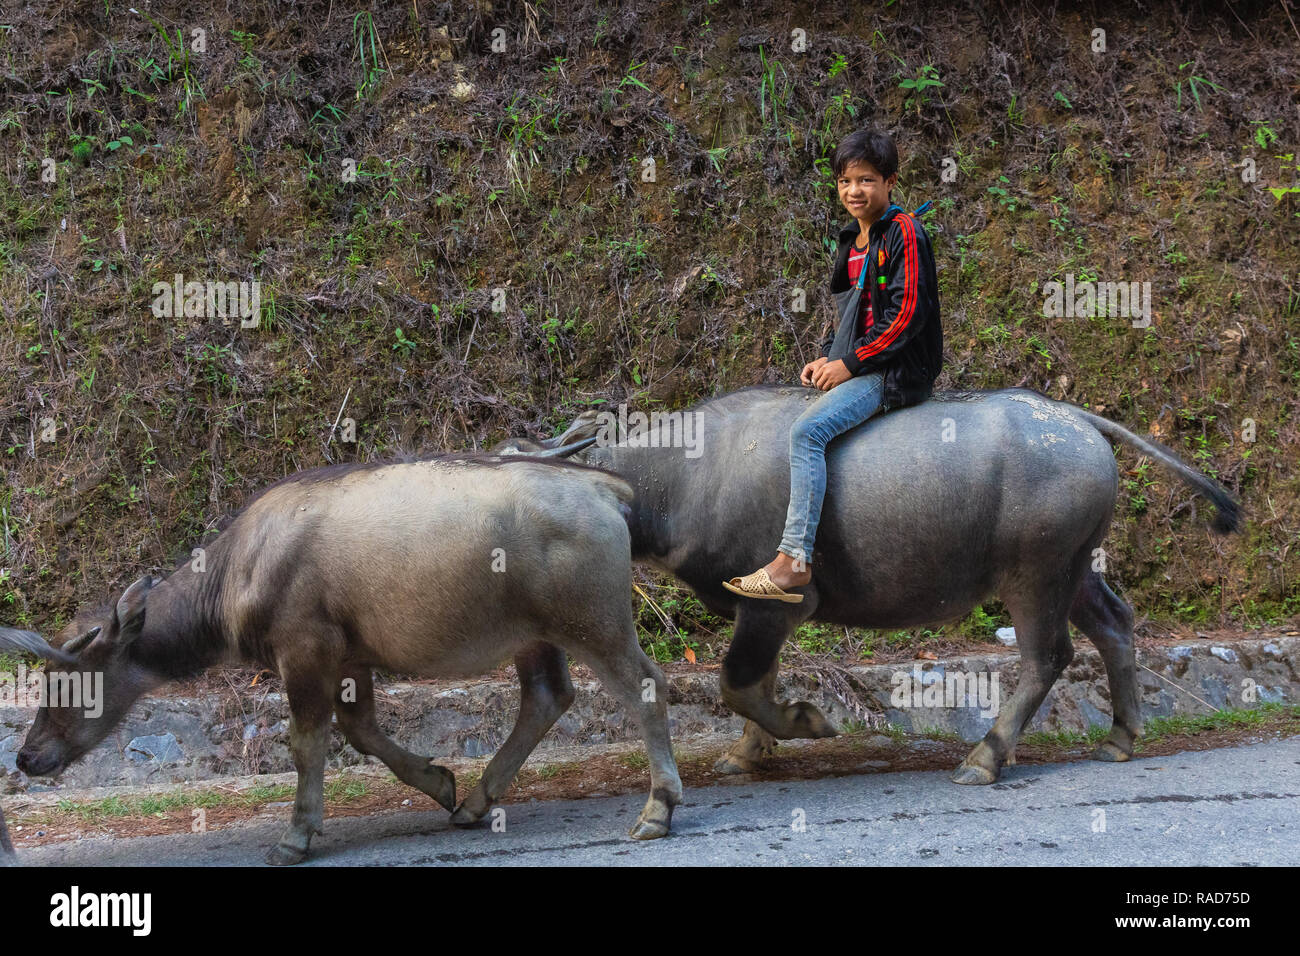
[[474, 219]]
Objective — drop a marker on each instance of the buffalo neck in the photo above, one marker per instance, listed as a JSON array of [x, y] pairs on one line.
[[181, 636]]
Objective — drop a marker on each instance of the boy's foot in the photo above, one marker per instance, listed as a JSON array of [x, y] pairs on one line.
[[770, 581], [759, 585], [782, 572]]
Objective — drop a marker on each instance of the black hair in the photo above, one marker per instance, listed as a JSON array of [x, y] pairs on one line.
[[873, 146]]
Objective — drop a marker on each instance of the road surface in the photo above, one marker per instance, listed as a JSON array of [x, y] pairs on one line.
[[1233, 806]]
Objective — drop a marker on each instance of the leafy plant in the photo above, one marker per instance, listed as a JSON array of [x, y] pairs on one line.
[[367, 43], [1136, 486], [83, 147], [767, 90], [1015, 113], [1280, 191], [329, 112], [630, 80], [178, 61], [926, 79], [553, 328], [837, 107], [403, 345], [211, 359], [1005, 199], [1061, 221], [1194, 84], [1265, 135]]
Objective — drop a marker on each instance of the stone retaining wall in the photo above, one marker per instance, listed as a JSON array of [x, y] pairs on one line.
[[187, 739]]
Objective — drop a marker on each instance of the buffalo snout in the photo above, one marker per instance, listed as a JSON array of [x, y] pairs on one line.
[[41, 760]]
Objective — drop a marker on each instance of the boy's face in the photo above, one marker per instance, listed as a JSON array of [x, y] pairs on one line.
[[864, 192]]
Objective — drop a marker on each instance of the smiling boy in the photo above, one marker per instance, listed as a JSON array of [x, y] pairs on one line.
[[886, 351]]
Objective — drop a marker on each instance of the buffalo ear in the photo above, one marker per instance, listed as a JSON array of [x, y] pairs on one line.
[[128, 615]]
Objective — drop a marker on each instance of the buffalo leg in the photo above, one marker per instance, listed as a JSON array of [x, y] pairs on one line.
[[310, 706], [640, 687], [1108, 622], [1045, 650], [760, 632], [357, 721], [755, 744], [545, 692]]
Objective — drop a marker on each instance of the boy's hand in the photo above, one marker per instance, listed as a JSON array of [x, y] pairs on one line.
[[806, 375], [830, 374]]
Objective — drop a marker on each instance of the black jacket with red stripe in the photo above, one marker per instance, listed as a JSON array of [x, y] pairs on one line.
[[905, 340]]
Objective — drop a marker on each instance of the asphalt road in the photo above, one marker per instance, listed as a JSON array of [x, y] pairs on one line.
[[1234, 806]]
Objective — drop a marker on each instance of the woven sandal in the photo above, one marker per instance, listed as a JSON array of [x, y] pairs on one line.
[[758, 585]]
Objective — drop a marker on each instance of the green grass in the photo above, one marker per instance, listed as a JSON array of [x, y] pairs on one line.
[[816, 638], [1234, 717], [340, 790], [153, 804], [366, 42], [935, 733], [634, 760], [344, 789], [1066, 738], [1158, 728]]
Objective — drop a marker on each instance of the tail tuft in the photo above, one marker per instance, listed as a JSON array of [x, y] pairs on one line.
[[1227, 518]]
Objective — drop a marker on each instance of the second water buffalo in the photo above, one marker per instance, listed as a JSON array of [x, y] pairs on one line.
[[929, 511]]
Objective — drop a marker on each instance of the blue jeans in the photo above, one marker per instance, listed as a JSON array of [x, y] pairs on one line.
[[847, 404]]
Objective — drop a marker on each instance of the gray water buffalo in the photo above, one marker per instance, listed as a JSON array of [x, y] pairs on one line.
[[442, 568], [929, 510]]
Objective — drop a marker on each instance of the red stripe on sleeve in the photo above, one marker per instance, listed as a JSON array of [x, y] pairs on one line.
[[910, 283]]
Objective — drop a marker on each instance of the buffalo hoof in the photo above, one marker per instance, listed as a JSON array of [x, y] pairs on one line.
[[1111, 752], [439, 783], [281, 855], [969, 774], [810, 723], [649, 829], [465, 817], [730, 763]]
